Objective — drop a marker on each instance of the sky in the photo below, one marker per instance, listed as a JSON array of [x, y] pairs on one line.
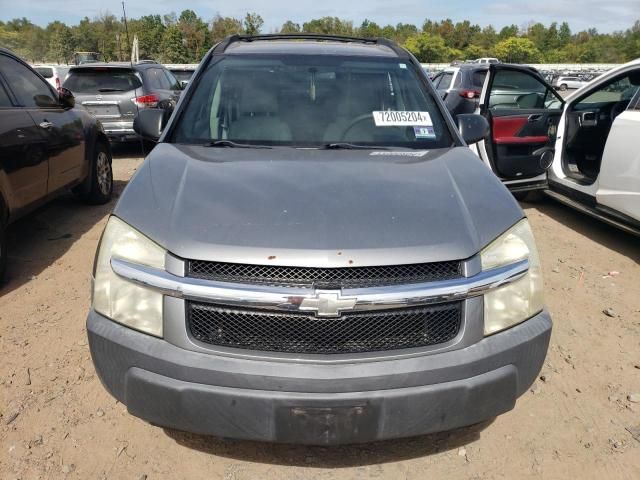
[[605, 15]]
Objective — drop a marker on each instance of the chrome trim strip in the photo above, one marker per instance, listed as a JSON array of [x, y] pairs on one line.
[[100, 102], [293, 299], [175, 265]]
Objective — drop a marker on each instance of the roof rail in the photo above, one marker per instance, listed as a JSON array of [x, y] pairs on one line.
[[224, 44]]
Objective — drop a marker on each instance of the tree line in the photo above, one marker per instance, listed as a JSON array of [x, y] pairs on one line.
[[185, 38]]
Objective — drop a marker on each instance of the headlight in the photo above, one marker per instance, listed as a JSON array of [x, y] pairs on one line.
[[518, 301], [118, 299]]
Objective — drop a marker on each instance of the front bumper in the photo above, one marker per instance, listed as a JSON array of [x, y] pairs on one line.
[[311, 402]]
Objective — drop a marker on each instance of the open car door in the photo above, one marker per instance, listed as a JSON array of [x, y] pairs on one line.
[[523, 112], [619, 179]]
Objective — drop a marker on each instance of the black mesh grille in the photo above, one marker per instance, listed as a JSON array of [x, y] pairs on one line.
[[333, 278], [298, 333]]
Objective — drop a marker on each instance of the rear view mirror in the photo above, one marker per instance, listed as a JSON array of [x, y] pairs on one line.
[[472, 127], [150, 123]]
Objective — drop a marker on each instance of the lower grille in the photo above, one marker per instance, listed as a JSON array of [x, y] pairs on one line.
[[299, 333]]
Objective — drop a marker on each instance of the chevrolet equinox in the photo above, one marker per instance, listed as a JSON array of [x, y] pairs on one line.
[[312, 254]]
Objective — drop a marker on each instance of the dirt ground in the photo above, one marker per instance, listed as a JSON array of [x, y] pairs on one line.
[[578, 421]]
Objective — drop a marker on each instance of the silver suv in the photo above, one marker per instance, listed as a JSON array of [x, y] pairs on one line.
[[312, 254], [115, 92]]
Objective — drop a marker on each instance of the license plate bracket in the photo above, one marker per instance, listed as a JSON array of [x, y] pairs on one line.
[[103, 110], [328, 424]]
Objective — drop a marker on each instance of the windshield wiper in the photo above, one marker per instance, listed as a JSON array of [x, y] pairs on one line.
[[102, 90], [232, 144], [350, 146]]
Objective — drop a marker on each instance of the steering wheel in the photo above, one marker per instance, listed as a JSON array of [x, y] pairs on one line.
[[618, 108], [353, 123]]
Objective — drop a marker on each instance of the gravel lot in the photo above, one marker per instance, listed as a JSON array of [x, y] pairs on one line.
[[580, 420]]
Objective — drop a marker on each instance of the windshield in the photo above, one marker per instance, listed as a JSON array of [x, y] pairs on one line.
[[312, 101]]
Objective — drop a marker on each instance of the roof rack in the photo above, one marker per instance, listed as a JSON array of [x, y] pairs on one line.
[[224, 44]]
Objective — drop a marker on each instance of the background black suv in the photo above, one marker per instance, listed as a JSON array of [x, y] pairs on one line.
[[47, 145], [114, 92], [460, 87]]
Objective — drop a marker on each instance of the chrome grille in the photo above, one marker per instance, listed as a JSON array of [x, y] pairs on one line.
[[329, 278]]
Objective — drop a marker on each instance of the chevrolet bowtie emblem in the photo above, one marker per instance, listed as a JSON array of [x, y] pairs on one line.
[[327, 303]]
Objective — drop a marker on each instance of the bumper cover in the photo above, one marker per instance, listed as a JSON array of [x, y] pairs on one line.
[[119, 131], [316, 403]]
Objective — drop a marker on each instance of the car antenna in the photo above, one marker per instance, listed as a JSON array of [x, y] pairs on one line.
[[135, 90]]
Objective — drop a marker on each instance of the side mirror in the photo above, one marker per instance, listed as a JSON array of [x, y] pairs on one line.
[[66, 98], [472, 127], [184, 83], [150, 123]]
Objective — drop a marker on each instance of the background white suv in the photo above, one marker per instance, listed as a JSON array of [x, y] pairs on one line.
[[54, 74]]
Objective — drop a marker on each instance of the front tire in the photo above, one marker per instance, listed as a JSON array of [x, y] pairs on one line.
[[563, 87], [101, 176]]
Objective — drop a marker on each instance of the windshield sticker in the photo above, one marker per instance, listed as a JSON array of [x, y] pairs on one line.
[[390, 118], [420, 153], [424, 132]]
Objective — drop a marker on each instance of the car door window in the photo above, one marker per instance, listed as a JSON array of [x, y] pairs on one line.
[[29, 89], [621, 90], [46, 72], [445, 81], [157, 79], [173, 83], [516, 89], [5, 101], [436, 80], [458, 80], [634, 104], [477, 79]]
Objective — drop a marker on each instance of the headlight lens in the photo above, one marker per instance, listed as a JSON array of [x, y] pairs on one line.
[[518, 301], [118, 299]]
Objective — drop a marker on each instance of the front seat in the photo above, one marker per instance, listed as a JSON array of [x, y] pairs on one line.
[[258, 117]]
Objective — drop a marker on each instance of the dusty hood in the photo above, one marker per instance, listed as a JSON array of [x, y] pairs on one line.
[[315, 207]]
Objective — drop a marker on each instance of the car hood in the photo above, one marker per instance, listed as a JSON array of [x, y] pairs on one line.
[[323, 208]]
